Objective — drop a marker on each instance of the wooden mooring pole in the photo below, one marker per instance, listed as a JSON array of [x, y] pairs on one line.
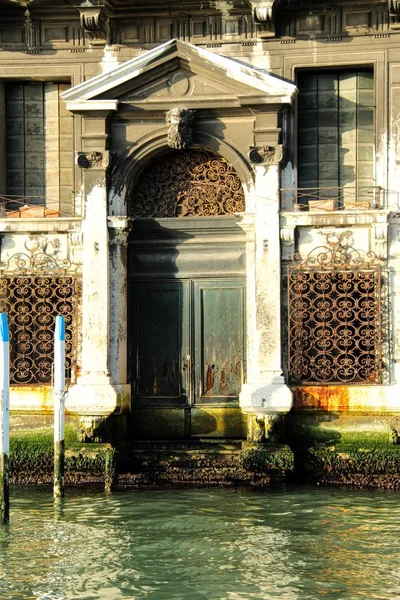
[[59, 407], [4, 420]]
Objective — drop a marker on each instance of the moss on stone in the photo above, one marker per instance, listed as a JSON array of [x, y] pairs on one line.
[[265, 458], [32, 457], [353, 464]]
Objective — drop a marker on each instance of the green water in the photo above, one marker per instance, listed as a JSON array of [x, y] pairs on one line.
[[297, 543]]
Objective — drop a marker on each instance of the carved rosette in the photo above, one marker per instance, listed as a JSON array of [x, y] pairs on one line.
[[266, 155], [180, 133], [93, 160]]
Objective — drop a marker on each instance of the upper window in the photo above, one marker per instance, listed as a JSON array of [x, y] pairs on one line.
[[336, 131], [39, 146]]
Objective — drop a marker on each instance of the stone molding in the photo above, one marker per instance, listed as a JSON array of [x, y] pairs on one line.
[[119, 229], [76, 246], [288, 240], [381, 240]]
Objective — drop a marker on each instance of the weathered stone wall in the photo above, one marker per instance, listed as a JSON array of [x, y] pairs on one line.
[[39, 47]]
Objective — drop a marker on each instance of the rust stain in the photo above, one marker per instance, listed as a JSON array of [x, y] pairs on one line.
[[156, 391], [209, 378], [324, 398], [40, 393], [222, 381]]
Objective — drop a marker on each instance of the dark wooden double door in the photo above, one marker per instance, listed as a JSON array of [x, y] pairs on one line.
[[187, 340]]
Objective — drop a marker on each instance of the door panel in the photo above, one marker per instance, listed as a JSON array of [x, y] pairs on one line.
[[160, 342], [218, 340]]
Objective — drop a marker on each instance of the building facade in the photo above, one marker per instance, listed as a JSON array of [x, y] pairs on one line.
[[209, 193]]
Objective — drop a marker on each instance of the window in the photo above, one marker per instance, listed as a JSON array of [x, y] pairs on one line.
[[336, 132], [38, 136], [32, 302], [336, 317]]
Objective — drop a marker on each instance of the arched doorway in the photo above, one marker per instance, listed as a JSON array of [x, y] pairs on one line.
[[186, 270]]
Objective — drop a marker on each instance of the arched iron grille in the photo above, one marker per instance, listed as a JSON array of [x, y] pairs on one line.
[[194, 183], [335, 317], [34, 289]]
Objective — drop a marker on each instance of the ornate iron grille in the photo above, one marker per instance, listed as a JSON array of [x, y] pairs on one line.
[[34, 289], [187, 183], [335, 316]]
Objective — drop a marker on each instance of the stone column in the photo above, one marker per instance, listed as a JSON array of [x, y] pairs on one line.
[[265, 392], [96, 393]]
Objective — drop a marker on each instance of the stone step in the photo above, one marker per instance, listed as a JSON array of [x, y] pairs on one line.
[[199, 462], [185, 446]]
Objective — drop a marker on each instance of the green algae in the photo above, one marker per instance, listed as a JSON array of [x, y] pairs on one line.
[[356, 465], [265, 458], [32, 457]]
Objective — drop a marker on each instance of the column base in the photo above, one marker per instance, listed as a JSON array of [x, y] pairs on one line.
[[87, 398], [265, 398]]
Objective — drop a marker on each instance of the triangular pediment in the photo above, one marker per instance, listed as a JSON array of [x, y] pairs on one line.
[[179, 73]]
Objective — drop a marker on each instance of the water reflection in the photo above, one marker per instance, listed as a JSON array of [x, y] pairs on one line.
[[224, 544]]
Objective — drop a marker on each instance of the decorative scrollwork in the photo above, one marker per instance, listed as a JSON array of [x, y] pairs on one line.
[[182, 184], [35, 287], [338, 253], [92, 160], [268, 155], [335, 316]]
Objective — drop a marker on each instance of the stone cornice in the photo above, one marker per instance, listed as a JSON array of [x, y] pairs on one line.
[[263, 87]]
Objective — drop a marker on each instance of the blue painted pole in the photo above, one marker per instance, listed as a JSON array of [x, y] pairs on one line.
[[4, 419], [59, 407]]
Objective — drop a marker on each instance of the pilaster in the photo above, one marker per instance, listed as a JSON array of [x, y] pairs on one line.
[[96, 392], [265, 391], [118, 228]]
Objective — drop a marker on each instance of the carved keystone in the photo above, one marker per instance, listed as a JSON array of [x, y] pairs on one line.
[[180, 133]]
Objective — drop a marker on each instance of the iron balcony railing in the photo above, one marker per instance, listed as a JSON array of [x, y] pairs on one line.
[[333, 198]]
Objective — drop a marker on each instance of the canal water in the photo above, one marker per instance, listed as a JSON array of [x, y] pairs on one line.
[[202, 544]]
